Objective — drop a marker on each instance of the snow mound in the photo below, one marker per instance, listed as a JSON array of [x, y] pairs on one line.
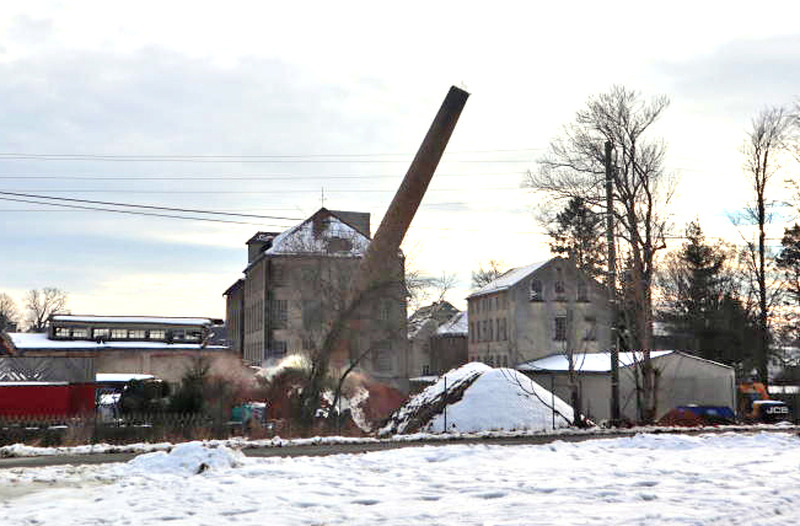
[[190, 458], [479, 398]]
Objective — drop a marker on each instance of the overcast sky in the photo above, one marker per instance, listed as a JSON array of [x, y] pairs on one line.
[[343, 93]]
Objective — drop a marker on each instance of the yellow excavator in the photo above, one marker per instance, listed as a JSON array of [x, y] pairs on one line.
[[755, 405]]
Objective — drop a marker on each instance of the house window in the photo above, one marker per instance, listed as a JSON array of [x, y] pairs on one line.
[[382, 358], [561, 329], [157, 334], [472, 332], [491, 330], [278, 313], [312, 314], [136, 334], [384, 310], [583, 291], [485, 329], [591, 328], [277, 349], [503, 330], [536, 290], [558, 286], [426, 370], [119, 334]]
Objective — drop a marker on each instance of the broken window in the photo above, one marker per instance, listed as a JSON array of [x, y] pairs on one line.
[[312, 314], [583, 291], [591, 328], [536, 290]]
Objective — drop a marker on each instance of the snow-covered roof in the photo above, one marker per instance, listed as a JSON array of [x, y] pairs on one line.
[[30, 340], [599, 362], [154, 320], [435, 314], [509, 279], [323, 233], [456, 325]]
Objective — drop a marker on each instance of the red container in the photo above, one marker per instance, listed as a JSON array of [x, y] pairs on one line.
[[24, 399]]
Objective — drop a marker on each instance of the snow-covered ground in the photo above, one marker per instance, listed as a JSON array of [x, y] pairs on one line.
[[645, 479]]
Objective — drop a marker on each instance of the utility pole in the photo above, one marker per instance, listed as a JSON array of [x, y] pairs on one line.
[[612, 285]]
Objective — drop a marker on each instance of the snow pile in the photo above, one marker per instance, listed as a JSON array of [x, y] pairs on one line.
[[479, 398], [185, 459]]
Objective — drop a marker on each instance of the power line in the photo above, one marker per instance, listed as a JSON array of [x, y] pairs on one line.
[[264, 177], [130, 212], [147, 207], [234, 158], [250, 192]]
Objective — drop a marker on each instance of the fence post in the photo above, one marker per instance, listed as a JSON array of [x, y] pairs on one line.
[[553, 399], [445, 403]]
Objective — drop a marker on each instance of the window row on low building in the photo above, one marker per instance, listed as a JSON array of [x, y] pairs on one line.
[[491, 303], [495, 360], [537, 291], [117, 333], [493, 330]]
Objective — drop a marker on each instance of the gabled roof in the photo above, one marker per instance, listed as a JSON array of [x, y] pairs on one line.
[[438, 312], [455, 326], [509, 279], [324, 233]]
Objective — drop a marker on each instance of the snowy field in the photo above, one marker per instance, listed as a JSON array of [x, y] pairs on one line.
[[646, 479]]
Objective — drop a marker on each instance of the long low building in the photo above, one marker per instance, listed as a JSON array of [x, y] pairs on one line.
[[161, 346], [682, 379]]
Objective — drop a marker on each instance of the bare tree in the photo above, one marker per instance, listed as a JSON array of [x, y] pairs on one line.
[[9, 315], [574, 167], [483, 276], [764, 141], [41, 304]]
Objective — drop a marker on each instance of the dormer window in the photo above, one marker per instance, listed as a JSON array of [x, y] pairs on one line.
[[536, 290]]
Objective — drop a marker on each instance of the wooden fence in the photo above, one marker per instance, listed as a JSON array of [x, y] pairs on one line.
[[162, 427]]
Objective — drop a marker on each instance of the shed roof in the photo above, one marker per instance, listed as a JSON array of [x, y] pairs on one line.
[[599, 362]]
